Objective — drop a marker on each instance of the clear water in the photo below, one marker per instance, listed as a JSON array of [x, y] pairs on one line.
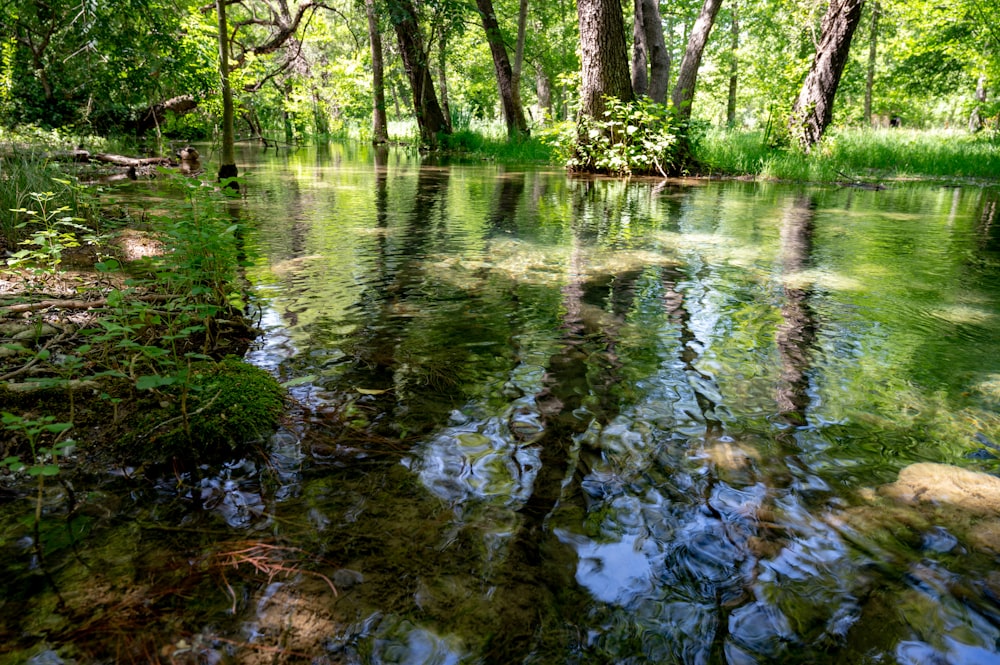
[[561, 420]]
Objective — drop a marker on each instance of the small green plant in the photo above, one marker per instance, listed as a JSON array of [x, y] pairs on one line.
[[639, 137], [44, 460], [52, 231]]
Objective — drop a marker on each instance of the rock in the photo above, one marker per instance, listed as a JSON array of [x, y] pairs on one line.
[[945, 485]]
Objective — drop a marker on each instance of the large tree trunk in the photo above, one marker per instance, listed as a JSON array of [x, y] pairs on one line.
[[543, 89], [640, 65], [380, 124], [510, 97], [604, 57], [734, 70], [227, 161], [430, 118], [872, 53], [649, 48], [813, 109], [687, 78]]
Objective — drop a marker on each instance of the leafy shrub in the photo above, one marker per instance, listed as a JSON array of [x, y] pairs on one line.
[[639, 137]]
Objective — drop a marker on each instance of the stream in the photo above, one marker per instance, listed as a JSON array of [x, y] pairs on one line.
[[546, 419]]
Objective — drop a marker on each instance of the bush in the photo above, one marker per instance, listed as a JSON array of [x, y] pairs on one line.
[[639, 137]]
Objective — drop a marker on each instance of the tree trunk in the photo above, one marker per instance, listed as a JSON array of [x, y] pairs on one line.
[[687, 78], [510, 97], [604, 57], [648, 34], [640, 65], [543, 89], [442, 70], [522, 29], [734, 70], [813, 109], [975, 118], [380, 124], [430, 118], [872, 52], [227, 161]]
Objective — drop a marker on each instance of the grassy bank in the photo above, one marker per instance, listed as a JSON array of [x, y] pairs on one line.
[[868, 154]]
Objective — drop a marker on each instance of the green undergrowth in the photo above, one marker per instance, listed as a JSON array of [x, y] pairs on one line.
[[221, 413], [855, 154]]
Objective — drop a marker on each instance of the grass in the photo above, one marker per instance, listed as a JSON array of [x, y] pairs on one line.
[[855, 154]]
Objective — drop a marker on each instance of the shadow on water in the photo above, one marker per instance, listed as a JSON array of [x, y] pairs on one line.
[[552, 420]]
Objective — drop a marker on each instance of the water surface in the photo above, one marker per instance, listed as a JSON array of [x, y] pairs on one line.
[[565, 420]]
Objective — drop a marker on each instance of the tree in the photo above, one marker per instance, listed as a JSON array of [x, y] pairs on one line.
[[430, 117], [510, 96], [649, 49], [604, 60], [813, 109], [380, 124], [227, 160], [687, 77], [872, 62], [734, 68]]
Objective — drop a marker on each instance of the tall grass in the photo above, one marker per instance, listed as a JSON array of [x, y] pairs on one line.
[[855, 153], [23, 172]]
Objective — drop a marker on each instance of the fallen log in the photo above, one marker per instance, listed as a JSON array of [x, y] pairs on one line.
[[75, 304], [121, 160]]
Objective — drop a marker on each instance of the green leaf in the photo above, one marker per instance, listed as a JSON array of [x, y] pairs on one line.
[[151, 381], [56, 428], [372, 391], [50, 470]]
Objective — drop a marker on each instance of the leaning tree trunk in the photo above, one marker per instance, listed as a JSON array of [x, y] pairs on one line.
[[380, 124], [813, 109], [604, 58], [687, 78], [649, 49], [510, 97], [227, 165], [430, 118]]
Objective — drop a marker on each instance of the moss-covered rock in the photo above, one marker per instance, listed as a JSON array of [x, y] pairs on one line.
[[226, 408]]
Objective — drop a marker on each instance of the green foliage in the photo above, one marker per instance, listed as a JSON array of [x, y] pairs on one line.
[[634, 138], [51, 232], [854, 154], [44, 459], [223, 410]]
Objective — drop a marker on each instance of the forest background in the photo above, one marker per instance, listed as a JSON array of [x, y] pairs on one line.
[[305, 69]]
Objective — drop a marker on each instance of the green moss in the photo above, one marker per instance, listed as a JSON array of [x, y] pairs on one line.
[[227, 408]]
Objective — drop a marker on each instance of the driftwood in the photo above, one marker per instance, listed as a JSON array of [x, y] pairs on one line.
[[156, 114], [74, 304]]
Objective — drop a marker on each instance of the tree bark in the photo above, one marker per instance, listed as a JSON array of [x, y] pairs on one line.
[[640, 65], [734, 70], [604, 57], [543, 89], [687, 77], [430, 117], [227, 162], [975, 118], [522, 29], [872, 53], [813, 109], [510, 97], [380, 124], [648, 35]]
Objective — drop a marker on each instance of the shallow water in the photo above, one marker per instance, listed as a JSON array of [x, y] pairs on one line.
[[562, 420]]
